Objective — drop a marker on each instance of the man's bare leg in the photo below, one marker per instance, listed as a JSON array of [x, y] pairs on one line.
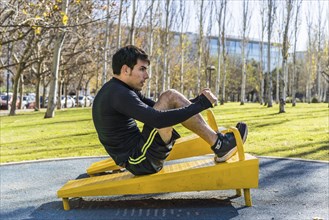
[[172, 99]]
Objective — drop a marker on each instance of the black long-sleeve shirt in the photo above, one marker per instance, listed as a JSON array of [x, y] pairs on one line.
[[117, 106]]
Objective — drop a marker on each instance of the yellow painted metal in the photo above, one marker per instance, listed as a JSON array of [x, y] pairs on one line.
[[239, 142], [102, 166], [238, 192], [247, 197], [66, 204], [196, 146], [239, 172], [202, 174], [211, 120]]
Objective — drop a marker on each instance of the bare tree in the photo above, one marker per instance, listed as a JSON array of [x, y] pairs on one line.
[[20, 67], [200, 43], [106, 43], [166, 45], [150, 51], [294, 72], [169, 18], [219, 18], [39, 70], [285, 48], [224, 55], [319, 37], [246, 16], [260, 67], [119, 25], [182, 10], [52, 99], [271, 9], [278, 43], [309, 54], [207, 47], [132, 26]]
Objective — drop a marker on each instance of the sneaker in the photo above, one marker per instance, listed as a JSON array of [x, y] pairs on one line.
[[225, 146]]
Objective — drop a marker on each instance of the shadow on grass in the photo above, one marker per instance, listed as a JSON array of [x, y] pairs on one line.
[[321, 146], [28, 125], [56, 152], [50, 139]]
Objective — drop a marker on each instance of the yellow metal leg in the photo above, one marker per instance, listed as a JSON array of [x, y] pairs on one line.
[[211, 120], [247, 197], [66, 204], [238, 192]]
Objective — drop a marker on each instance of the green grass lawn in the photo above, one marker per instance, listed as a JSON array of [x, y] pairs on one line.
[[301, 132]]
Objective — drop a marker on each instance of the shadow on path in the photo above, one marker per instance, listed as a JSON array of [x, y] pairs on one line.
[[138, 209]]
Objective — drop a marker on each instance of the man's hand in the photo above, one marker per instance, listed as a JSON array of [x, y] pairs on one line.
[[210, 96]]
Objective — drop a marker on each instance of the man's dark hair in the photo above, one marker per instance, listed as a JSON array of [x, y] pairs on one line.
[[127, 55]]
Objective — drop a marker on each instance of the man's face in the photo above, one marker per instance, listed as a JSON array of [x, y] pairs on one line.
[[138, 75]]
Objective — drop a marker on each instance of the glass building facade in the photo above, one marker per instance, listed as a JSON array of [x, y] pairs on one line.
[[234, 49]]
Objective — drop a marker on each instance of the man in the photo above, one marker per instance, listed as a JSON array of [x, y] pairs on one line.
[[119, 103]]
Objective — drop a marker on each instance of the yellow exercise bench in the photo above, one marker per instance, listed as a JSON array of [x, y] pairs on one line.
[[239, 172], [196, 146]]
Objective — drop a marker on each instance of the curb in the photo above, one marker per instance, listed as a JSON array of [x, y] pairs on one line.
[[106, 156]]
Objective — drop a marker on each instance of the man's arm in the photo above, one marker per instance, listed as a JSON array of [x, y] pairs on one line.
[[210, 96], [135, 108], [147, 101]]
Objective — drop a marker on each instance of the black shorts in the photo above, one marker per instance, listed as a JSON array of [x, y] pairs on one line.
[[150, 153]]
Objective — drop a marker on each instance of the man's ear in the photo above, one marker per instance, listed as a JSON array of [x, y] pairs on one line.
[[124, 69]]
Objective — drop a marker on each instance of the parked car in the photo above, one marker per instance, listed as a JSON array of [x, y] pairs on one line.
[[70, 102], [8, 97], [31, 102], [83, 101], [91, 99], [27, 100]]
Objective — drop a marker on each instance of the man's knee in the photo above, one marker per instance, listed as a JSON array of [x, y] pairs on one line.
[[170, 99], [170, 93]]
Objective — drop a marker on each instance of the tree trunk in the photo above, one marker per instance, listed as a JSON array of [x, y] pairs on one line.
[[59, 95], [21, 92], [165, 83], [318, 53], [12, 109], [277, 90], [245, 21], [150, 52], [261, 74], [294, 73], [285, 48], [20, 68], [106, 42], [43, 91], [37, 94], [309, 65], [119, 23], [37, 88], [50, 113], [222, 101], [182, 46], [132, 27], [182, 63], [219, 23], [269, 32], [200, 42]]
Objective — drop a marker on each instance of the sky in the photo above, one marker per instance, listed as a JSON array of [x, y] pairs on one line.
[[235, 19]]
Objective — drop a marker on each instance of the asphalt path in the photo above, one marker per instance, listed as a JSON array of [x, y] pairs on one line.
[[288, 189]]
